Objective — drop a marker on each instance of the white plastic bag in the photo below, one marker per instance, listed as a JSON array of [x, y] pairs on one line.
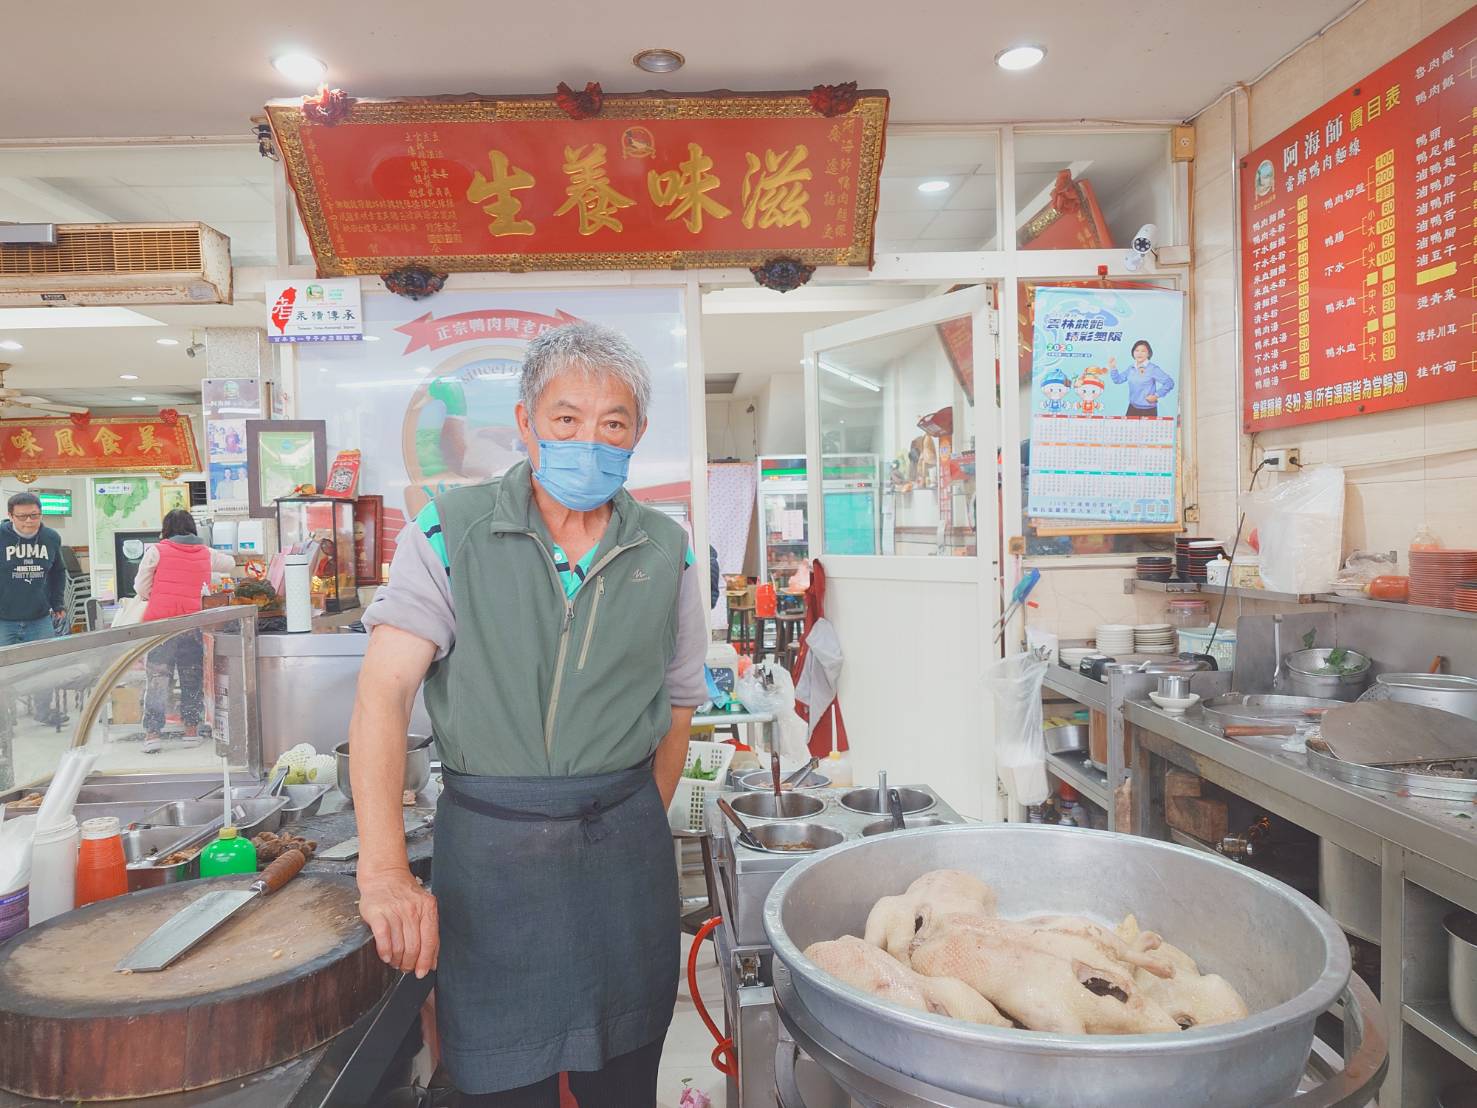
[[130, 611], [767, 688], [1300, 530], [1014, 684]]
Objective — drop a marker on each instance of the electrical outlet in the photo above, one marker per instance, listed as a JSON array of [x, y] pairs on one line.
[[1281, 460]]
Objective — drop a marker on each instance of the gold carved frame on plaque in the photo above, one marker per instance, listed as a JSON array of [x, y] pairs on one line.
[[287, 119]]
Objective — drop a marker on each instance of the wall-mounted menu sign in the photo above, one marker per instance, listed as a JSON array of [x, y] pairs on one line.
[[1358, 263], [654, 181]]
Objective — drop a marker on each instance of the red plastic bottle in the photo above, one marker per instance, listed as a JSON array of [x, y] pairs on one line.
[[101, 868]]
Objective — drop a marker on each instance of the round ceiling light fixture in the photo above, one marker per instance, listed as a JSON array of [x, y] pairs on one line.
[[659, 60], [1022, 57], [10, 344], [128, 376], [301, 68], [933, 186], [138, 399], [167, 342]]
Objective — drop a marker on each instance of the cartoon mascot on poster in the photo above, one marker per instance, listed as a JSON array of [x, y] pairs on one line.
[[1089, 389]]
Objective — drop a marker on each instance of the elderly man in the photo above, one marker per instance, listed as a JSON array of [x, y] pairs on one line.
[[33, 580], [560, 630]]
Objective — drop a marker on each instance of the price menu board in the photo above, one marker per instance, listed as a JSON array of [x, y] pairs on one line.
[[1359, 254]]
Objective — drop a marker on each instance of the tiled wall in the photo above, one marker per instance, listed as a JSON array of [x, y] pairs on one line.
[[1384, 503]]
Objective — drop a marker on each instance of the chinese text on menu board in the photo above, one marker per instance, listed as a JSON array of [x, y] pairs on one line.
[[652, 182], [1358, 255]]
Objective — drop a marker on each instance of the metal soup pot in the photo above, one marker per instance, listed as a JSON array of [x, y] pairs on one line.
[[417, 764], [1457, 695], [1285, 955], [1303, 678]]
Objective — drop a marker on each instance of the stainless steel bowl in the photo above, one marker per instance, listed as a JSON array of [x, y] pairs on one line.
[[302, 801], [871, 802], [1283, 952], [1303, 678], [141, 845], [762, 781], [1461, 936], [884, 826], [789, 806], [1070, 738], [263, 814], [417, 764], [793, 838]]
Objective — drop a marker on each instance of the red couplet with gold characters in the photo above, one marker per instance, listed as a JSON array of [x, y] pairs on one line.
[[164, 444], [653, 181]]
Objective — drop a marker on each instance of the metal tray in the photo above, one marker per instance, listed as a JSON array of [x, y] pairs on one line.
[[1258, 708], [260, 815], [1401, 781]]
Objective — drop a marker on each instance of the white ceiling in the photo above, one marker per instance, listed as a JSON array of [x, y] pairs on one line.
[[177, 67]]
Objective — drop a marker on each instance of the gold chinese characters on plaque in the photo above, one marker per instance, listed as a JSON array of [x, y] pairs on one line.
[[655, 181]]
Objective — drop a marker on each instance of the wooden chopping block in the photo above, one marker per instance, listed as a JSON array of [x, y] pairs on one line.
[[284, 975], [1203, 819]]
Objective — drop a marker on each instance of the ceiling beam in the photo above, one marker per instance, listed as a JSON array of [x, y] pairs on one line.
[[59, 205]]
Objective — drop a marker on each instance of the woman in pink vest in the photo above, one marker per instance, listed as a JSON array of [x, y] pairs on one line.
[[171, 577]]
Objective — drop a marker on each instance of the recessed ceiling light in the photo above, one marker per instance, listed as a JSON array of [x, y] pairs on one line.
[[11, 344], [659, 61], [167, 342], [933, 186], [138, 399], [128, 376], [1020, 57], [303, 69], [371, 338]]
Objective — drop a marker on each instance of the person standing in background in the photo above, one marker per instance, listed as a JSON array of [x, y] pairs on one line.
[[171, 577], [32, 579]]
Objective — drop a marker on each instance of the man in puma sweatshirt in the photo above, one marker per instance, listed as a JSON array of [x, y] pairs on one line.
[[32, 578]]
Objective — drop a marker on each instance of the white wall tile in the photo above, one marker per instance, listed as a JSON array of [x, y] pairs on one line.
[[1219, 512], [1215, 377], [1072, 601], [1383, 516], [1214, 205], [1215, 298], [1372, 34], [1411, 470], [1215, 149], [1436, 14], [1451, 510], [1377, 435], [1452, 425], [1446, 466], [1288, 93], [1217, 447]]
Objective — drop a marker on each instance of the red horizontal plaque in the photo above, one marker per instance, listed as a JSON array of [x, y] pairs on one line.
[[655, 181], [1359, 254], [160, 444]]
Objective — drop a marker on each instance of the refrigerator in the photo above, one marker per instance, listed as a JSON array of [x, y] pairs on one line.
[[852, 504]]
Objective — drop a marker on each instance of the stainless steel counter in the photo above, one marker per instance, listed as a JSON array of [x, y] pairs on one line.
[[1425, 852], [305, 690]]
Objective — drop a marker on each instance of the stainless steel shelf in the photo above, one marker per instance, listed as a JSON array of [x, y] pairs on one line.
[[1390, 606], [1081, 776], [1084, 690], [1192, 587], [1434, 1020]]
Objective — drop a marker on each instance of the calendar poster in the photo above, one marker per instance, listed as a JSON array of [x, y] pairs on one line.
[[1105, 389]]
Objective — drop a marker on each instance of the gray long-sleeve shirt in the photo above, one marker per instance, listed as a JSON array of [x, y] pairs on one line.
[[418, 600]]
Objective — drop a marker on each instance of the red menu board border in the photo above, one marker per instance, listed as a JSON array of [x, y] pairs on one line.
[[1358, 257], [289, 124]]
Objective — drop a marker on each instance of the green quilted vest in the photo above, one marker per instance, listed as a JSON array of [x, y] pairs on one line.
[[538, 685]]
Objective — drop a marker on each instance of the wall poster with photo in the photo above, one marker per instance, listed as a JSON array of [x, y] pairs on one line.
[[282, 455]]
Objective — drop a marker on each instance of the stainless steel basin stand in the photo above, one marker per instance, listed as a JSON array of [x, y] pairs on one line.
[[873, 1085]]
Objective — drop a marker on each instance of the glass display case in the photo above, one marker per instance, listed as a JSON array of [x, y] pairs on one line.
[[322, 527], [852, 511], [94, 690]]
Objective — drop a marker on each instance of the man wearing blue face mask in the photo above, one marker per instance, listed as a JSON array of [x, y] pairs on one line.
[[560, 631]]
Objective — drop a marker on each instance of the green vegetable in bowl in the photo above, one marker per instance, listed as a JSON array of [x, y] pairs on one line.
[[698, 773]]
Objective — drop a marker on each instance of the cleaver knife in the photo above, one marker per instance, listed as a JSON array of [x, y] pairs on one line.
[[189, 925]]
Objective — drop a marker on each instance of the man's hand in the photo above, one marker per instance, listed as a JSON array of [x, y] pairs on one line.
[[402, 915]]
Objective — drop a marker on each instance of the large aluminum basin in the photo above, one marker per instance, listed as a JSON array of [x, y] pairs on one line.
[[1285, 954]]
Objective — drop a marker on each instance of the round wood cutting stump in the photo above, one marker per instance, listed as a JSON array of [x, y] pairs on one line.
[[287, 972]]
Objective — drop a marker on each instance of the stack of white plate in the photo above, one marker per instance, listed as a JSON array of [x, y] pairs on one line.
[[1154, 638], [1115, 638], [1072, 656]]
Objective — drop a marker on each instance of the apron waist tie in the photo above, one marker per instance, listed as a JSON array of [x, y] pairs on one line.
[[589, 814]]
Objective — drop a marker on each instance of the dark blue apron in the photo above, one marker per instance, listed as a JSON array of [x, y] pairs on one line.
[[560, 936]]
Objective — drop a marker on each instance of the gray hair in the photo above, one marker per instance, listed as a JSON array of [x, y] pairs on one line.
[[590, 349]]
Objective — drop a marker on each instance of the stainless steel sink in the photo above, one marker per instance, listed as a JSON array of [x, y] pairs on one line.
[[260, 815]]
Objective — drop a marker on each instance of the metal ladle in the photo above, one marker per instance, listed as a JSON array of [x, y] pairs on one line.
[[895, 802], [738, 821]]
